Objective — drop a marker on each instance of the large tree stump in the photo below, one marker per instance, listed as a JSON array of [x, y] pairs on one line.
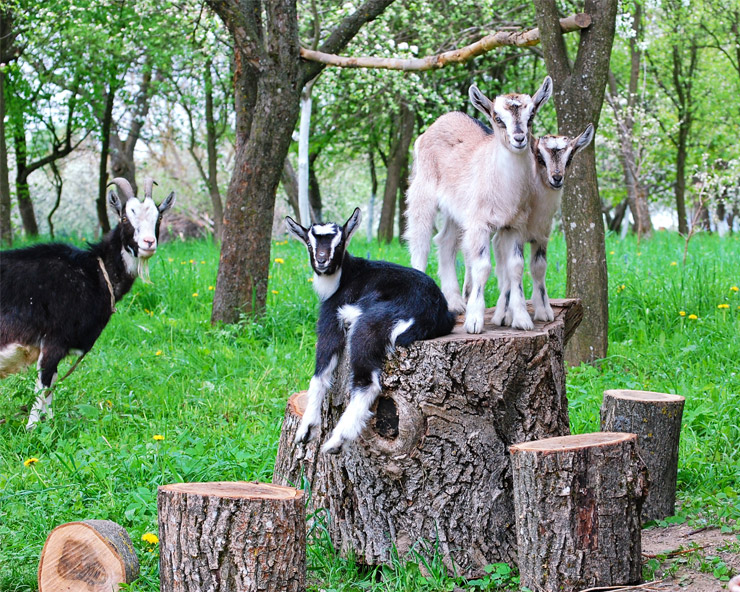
[[577, 501], [432, 470], [231, 537], [656, 419], [87, 556]]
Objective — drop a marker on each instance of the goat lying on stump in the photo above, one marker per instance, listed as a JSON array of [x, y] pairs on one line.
[[371, 305], [55, 299]]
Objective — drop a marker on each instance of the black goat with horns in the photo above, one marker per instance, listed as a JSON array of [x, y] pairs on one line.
[[56, 299]]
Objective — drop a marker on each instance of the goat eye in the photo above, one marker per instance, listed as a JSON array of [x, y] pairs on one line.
[[498, 120]]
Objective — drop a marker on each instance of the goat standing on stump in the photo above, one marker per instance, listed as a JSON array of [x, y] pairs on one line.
[[553, 157], [370, 305], [478, 177], [55, 299]]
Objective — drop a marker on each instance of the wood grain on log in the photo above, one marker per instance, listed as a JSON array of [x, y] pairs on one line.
[[231, 537], [432, 469], [656, 419], [87, 556], [578, 501]]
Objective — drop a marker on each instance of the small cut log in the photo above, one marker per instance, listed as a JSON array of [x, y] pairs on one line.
[[231, 537], [431, 473], [87, 556], [656, 419], [577, 503]]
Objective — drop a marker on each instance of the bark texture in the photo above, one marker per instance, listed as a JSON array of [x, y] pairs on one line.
[[578, 93], [92, 555], [231, 537], [578, 501], [432, 468], [656, 419]]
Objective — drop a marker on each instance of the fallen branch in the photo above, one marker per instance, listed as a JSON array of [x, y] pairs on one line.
[[673, 553], [645, 586], [575, 22]]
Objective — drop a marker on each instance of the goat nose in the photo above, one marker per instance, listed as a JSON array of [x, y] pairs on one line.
[[519, 138], [149, 241], [557, 178]]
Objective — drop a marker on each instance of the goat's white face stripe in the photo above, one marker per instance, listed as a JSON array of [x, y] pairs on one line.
[[143, 216], [515, 114]]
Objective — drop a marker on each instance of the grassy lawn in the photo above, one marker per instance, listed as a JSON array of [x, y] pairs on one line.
[[217, 397]]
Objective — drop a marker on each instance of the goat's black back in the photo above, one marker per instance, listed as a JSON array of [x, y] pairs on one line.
[[52, 291]]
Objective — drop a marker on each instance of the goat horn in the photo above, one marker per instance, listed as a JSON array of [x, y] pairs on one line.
[[124, 187], [148, 185]]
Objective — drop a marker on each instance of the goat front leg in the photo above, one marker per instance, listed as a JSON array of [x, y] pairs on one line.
[[504, 284], [512, 249], [477, 248], [538, 268], [47, 366], [447, 245], [328, 347]]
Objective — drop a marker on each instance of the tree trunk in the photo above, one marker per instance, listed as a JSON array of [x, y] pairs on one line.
[[229, 537], [92, 555], [314, 189], [23, 193], [578, 95], [211, 139], [680, 186], [656, 419], [396, 159], [101, 203], [58, 184], [303, 141], [289, 180], [373, 194], [6, 231], [431, 471], [577, 504]]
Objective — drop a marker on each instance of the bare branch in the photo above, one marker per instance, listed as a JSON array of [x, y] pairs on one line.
[[528, 38]]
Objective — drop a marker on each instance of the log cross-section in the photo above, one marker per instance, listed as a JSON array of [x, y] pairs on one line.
[[431, 472], [231, 537]]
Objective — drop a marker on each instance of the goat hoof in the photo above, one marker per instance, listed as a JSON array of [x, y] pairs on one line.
[[474, 325], [304, 436], [330, 448], [523, 322]]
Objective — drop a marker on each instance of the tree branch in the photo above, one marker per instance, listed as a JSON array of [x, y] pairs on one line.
[[531, 37]]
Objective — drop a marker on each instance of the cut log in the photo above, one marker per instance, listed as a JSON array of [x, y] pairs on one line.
[[87, 556], [231, 537], [431, 472], [577, 501], [656, 419]]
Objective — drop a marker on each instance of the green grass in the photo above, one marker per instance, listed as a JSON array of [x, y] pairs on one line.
[[217, 395]]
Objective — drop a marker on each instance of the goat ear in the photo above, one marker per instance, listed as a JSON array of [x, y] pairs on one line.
[[351, 225], [115, 203], [168, 202], [296, 230], [584, 139], [480, 101], [543, 94]]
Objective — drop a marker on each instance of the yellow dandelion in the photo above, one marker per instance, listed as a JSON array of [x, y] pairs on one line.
[[310, 279], [693, 317], [195, 294], [682, 313], [192, 261], [734, 288], [150, 537], [109, 403], [170, 259], [611, 252], [723, 305], [275, 292], [158, 437], [158, 352], [202, 262], [211, 288], [279, 260], [639, 253], [30, 461], [673, 263], [183, 262]]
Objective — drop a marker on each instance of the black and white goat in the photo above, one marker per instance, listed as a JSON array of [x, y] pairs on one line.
[[370, 305], [553, 158], [55, 299]]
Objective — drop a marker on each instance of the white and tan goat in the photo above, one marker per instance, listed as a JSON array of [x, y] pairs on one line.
[[478, 178], [553, 156]]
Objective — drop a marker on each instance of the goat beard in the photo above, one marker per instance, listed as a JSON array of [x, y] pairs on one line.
[[142, 268]]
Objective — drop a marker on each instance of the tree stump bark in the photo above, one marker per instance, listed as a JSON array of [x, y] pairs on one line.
[[87, 556], [431, 472], [578, 501], [656, 419], [231, 537]]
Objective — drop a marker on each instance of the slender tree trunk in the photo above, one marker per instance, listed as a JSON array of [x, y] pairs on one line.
[[23, 193], [683, 75], [58, 184], [102, 203], [680, 186], [396, 159], [314, 189], [289, 181], [304, 136], [6, 232], [578, 96], [211, 140], [373, 194]]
